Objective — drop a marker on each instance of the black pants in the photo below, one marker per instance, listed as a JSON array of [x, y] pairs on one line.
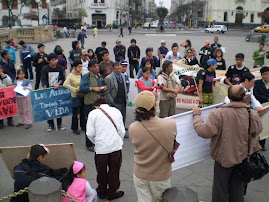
[[81, 111], [110, 177], [9, 120], [133, 67], [121, 34], [122, 108], [262, 143], [88, 109], [226, 185], [51, 123], [37, 79], [27, 65]]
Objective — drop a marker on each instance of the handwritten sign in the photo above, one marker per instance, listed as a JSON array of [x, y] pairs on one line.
[[8, 102], [50, 103]]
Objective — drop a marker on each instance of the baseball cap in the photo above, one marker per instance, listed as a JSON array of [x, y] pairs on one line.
[[163, 41], [84, 52], [144, 101], [207, 42], [77, 167], [123, 62], [211, 62], [118, 41]]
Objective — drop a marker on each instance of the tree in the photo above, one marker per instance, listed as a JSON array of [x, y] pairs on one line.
[[162, 12], [59, 14], [30, 16], [82, 13], [264, 15]]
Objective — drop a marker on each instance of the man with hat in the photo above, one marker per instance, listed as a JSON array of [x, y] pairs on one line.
[[162, 50], [153, 138], [26, 54], [206, 53], [119, 51], [11, 51], [99, 50], [124, 65], [85, 61]]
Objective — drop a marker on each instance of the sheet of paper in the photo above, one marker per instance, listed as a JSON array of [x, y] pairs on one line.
[[19, 89]]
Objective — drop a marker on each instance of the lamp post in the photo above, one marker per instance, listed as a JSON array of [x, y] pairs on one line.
[[48, 2], [37, 1]]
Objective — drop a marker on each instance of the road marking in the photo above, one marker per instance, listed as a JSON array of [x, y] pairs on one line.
[[160, 35]]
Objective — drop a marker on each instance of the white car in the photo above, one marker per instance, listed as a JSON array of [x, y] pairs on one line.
[[216, 28]]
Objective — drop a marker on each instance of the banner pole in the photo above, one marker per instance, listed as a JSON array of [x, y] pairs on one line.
[[55, 124]]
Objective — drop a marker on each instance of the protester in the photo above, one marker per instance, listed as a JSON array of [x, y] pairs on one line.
[[218, 55], [145, 82], [66, 32], [206, 53], [72, 82], [91, 54], [119, 51], [152, 166], [108, 145], [258, 56], [235, 72], [32, 168], [8, 65], [162, 50], [23, 102], [117, 90], [174, 54], [130, 29], [61, 58], [154, 60], [85, 61], [26, 54], [1, 48], [147, 63], [95, 32], [106, 66], [121, 31], [52, 75], [81, 37], [99, 51], [134, 57], [229, 143], [5, 81], [92, 85], [261, 92], [187, 45], [124, 65], [205, 83], [190, 59], [75, 53], [170, 87], [216, 44], [40, 60], [13, 44], [75, 184], [11, 51]]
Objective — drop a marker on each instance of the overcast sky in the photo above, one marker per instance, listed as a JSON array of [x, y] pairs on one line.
[[166, 3]]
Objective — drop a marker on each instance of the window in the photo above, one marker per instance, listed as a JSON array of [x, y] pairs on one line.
[[34, 4], [102, 1], [252, 17], [95, 1], [14, 4], [225, 16], [44, 4]]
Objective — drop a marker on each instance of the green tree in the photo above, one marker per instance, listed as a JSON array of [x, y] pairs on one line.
[[82, 13], [30, 16], [162, 12], [58, 14]]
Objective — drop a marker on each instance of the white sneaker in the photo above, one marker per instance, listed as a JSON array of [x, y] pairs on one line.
[[62, 128], [49, 129]]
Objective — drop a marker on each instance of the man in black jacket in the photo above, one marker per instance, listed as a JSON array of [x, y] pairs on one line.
[[261, 92], [119, 51], [75, 54], [134, 57], [99, 51], [32, 168], [40, 60]]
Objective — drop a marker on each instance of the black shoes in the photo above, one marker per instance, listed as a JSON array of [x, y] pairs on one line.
[[91, 149], [263, 149], [76, 132], [118, 195], [11, 123]]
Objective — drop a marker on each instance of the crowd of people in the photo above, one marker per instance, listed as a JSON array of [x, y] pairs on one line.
[[99, 93]]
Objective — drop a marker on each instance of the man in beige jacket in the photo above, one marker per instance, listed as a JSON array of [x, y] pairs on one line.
[[228, 129]]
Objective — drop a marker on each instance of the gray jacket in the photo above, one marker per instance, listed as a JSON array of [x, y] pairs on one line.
[[112, 87]]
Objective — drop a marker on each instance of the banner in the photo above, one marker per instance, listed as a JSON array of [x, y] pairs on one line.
[[182, 69], [8, 102], [49, 103], [192, 148]]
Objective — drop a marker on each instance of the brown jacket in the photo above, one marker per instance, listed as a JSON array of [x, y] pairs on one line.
[[151, 160], [228, 129]]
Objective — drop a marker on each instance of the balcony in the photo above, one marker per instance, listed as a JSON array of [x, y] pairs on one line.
[[98, 5]]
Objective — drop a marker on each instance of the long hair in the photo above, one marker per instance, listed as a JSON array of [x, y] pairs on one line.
[[165, 66]]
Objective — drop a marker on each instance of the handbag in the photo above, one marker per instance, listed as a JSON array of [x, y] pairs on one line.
[[255, 166], [171, 154], [75, 102]]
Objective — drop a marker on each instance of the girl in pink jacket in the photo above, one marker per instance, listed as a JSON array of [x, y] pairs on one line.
[[75, 184]]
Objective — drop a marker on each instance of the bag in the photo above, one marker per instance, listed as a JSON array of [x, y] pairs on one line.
[[169, 84], [75, 102], [254, 167]]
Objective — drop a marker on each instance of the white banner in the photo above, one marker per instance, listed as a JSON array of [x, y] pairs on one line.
[[192, 148]]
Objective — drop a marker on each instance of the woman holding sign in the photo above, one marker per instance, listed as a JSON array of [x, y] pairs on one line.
[[72, 82]]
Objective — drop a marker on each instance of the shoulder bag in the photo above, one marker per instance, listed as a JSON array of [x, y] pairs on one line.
[[109, 117], [255, 166]]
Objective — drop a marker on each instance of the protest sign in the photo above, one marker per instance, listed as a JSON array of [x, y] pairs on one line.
[[8, 102], [192, 148], [49, 103], [182, 69]]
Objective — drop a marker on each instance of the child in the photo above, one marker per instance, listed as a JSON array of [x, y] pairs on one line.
[[205, 81], [32, 168], [75, 184], [147, 63], [22, 101], [145, 82], [124, 65]]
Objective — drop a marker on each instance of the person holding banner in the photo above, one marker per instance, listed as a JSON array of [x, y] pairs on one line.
[[8, 65], [26, 55], [72, 82], [229, 143], [52, 76], [171, 86]]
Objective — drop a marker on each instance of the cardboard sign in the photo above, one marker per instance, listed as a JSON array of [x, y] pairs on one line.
[[60, 156], [184, 101], [49, 104], [8, 102]]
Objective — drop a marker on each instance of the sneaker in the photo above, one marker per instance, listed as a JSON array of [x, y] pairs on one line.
[[91, 148], [49, 129], [61, 128], [19, 124], [28, 126], [11, 123], [76, 132], [263, 149], [117, 195]]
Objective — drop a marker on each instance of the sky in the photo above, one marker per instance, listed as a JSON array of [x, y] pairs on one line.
[[166, 3]]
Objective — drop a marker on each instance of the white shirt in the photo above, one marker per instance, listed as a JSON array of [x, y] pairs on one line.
[[170, 56], [254, 102], [102, 132], [85, 65]]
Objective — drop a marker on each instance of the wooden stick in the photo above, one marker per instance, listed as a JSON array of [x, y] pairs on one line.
[[55, 124]]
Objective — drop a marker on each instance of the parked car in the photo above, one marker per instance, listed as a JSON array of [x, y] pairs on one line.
[[217, 28], [263, 28]]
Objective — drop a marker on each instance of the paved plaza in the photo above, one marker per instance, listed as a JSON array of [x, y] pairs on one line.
[[198, 177]]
